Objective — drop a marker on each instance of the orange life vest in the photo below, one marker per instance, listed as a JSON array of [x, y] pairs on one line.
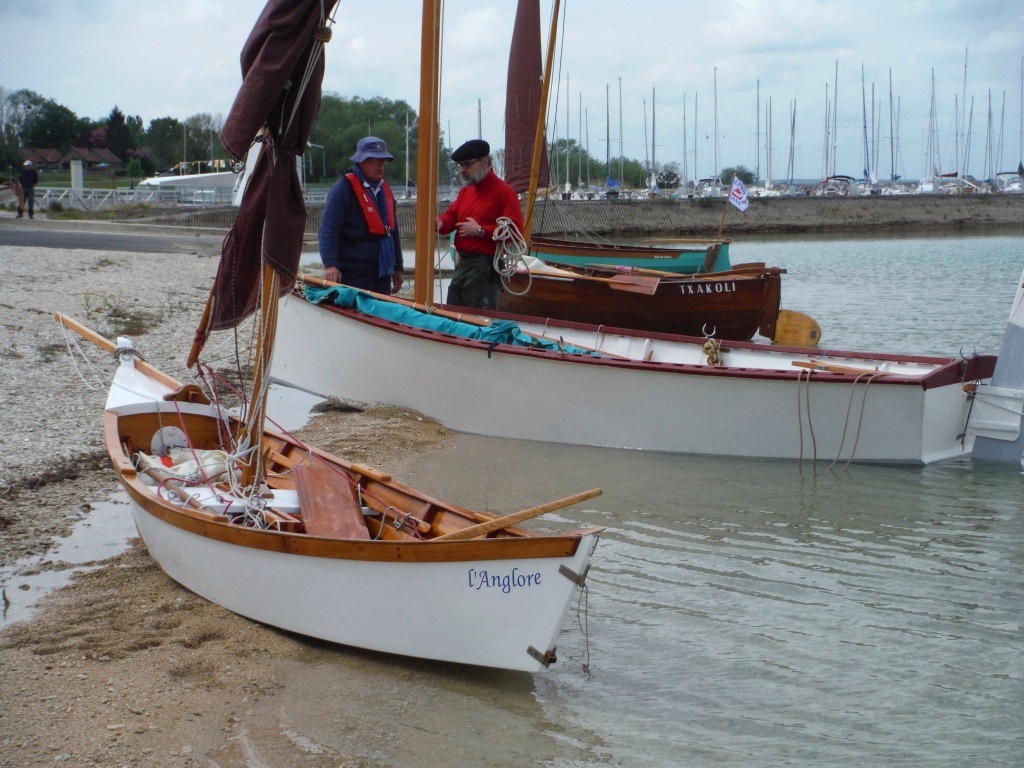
[[369, 207]]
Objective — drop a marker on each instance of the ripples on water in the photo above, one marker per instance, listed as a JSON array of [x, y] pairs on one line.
[[755, 613], [750, 613], [929, 295]]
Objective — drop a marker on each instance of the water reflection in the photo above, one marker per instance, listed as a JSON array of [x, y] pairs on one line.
[[866, 615]]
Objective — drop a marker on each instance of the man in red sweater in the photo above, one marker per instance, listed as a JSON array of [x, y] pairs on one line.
[[473, 217]]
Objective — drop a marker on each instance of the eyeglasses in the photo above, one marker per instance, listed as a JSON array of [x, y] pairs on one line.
[[467, 164]]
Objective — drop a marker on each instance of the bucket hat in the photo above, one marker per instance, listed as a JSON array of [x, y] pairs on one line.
[[371, 146]]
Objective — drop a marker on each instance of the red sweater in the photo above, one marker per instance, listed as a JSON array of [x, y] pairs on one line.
[[485, 202]]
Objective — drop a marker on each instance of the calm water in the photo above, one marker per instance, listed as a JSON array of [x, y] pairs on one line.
[[754, 613]]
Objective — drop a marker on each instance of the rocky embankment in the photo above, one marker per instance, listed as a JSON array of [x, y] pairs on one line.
[[703, 217]]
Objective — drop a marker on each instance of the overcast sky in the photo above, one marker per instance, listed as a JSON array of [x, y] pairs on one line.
[[157, 58]]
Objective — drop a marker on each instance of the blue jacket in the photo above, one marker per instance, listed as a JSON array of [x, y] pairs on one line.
[[345, 241], [28, 178]]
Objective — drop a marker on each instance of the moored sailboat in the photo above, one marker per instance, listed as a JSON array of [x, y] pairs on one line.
[[339, 551]]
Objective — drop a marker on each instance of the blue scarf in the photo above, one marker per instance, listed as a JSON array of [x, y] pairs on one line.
[[386, 255]]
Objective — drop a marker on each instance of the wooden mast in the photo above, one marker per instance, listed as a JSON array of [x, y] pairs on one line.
[[538, 138], [426, 162], [252, 425]]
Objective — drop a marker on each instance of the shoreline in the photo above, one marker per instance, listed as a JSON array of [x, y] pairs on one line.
[[700, 217]]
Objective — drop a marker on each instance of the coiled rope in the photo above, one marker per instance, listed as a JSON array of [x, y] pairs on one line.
[[713, 350], [510, 253]]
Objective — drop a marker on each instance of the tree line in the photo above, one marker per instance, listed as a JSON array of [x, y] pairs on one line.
[[29, 119]]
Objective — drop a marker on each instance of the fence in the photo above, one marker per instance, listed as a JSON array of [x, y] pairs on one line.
[[105, 199]]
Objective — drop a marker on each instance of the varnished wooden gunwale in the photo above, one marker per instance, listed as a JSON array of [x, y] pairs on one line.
[[125, 433]]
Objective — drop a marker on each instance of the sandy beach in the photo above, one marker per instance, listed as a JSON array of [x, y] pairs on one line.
[[124, 667]]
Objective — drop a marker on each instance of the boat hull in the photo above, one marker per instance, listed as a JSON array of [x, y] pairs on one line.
[[759, 404], [728, 306], [385, 605]]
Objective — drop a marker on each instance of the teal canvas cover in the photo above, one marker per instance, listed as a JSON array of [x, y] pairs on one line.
[[498, 332]]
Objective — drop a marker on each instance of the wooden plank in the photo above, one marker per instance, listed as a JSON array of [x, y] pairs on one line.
[[387, 500], [328, 503]]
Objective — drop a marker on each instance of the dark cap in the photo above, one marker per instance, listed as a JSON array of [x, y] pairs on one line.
[[371, 146], [472, 150]]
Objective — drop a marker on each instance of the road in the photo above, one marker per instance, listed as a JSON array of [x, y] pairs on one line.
[[102, 236]]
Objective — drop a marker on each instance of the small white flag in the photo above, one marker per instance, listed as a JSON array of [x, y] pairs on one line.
[[738, 195]]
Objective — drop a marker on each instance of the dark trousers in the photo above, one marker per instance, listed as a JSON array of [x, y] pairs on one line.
[[30, 201], [475, 283]]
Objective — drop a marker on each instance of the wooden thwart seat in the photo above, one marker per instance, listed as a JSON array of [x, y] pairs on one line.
[[329, 503]]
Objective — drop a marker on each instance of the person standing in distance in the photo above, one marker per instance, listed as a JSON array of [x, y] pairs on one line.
[[483, 199], [360, 244], [28, 177]]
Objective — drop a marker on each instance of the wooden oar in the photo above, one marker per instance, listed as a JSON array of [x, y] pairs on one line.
[[174, 484], [817, 365], [684, 240], [631, 283], [741, 269], [516, 517], [106, 344]]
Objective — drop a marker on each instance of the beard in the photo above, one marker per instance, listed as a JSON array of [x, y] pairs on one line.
[[474, 175]]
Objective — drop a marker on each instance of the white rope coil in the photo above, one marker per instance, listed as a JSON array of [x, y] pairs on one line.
[[510, 253]]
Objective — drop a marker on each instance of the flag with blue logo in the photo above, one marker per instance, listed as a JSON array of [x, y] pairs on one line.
[[738, 194]]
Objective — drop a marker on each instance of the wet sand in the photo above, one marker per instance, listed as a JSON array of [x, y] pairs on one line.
[[123, 666]]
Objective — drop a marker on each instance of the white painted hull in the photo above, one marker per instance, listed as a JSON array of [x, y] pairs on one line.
[[441, 611], [755, 406]]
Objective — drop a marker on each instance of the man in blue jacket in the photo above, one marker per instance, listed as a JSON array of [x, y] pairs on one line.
[[360, 244], [28, 178]]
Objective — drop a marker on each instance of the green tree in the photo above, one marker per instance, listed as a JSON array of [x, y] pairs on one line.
[[136, 132], [202, 131], [52, 126], [118, 138], [743, 173], [668, 176], [634, 174], [164, 139], [581, 164], [10, 159], [15, 109], [343, 122], [134, 169]]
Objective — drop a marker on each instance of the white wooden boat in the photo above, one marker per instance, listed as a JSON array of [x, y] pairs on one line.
[[646, 391], [282, 533], [330, 549]]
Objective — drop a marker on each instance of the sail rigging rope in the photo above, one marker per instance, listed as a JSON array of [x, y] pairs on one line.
[[322, 35], [75, 351]]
